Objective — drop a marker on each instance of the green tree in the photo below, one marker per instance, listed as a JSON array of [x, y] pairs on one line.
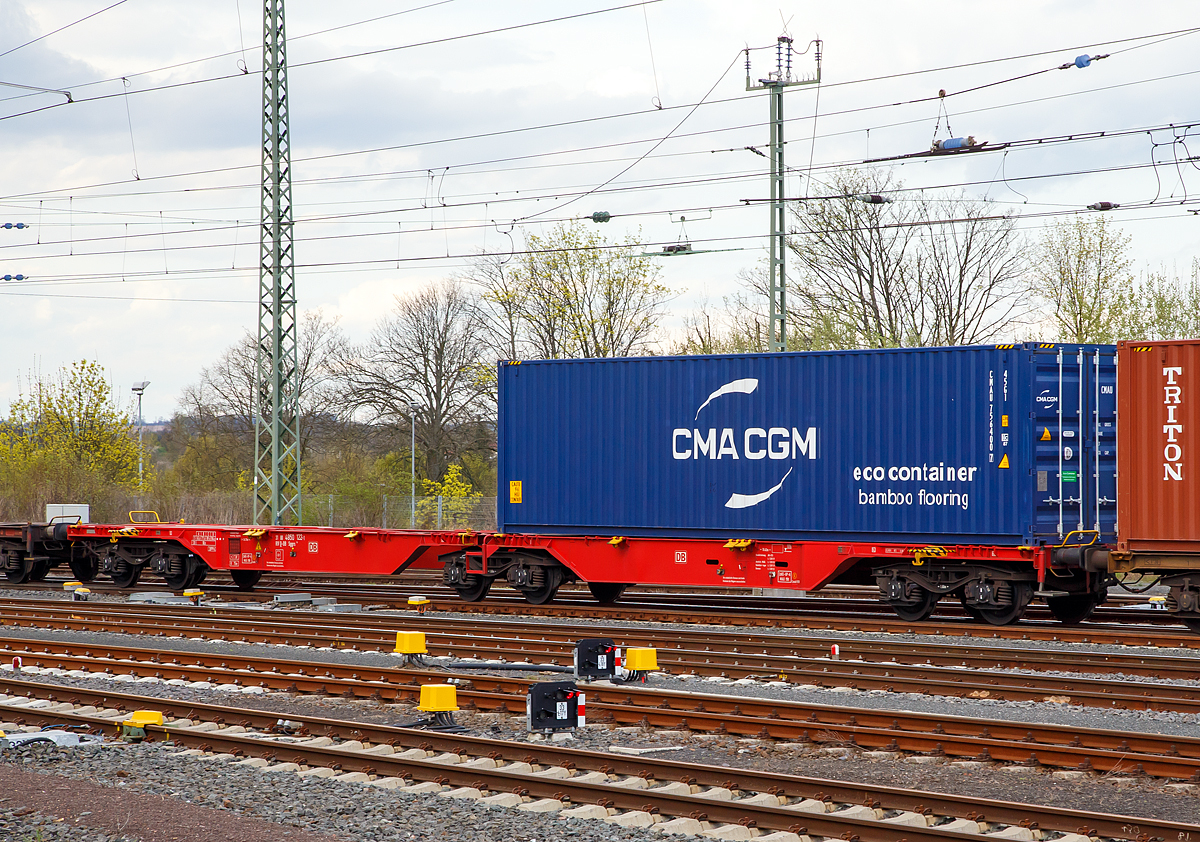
[[457, 500], [570, 294], [74, 419], [66, 438], [1082, 269], [1161, 306]]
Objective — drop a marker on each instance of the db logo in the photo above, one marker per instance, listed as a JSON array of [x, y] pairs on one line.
[[681, 557]]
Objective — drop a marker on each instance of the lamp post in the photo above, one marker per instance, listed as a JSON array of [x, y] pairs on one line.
[[138, 388], [412, 465]]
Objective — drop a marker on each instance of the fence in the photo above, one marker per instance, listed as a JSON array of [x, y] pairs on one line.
[[340, 510]]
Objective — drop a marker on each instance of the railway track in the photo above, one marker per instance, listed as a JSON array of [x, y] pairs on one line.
[[735, 608], [738, 614], [958, 670], [1059, 746], [512, 773]]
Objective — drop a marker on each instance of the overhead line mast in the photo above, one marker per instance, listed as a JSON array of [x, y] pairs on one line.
[[277, 419], [775, 83]]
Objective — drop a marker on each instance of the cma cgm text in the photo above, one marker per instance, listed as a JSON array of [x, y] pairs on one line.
[[757, 443]]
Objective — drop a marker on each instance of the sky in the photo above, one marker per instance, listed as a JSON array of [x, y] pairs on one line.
[[425, 132]]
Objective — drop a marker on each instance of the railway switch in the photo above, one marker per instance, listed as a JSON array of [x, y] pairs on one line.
[[555, 706], [595, 658]]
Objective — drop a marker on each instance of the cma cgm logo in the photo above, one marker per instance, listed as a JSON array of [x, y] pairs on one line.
[[772, 443], [1046, 398]]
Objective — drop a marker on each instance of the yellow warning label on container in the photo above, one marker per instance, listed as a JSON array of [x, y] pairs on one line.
[[1045, 434], [1003, 420], [1004, 461], [514, 491]]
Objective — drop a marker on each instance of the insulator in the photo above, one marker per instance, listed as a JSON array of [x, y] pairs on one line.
[[954, 143], [1083, 60], [14, 277], [874, 199], [1101, 206], [601, 216], [15, 225]]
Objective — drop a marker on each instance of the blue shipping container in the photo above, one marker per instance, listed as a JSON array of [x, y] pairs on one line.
[[1008, 445]]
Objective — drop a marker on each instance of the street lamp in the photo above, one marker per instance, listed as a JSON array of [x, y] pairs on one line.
[[412, 465], [138, 388]]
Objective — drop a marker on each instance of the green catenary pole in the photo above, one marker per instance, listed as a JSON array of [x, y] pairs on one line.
[[774, 85]]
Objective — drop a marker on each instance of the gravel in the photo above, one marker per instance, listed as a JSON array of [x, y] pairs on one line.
[[324, 807], [24, 824]]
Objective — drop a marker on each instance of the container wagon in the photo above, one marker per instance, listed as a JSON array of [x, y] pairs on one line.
[[977, 472]]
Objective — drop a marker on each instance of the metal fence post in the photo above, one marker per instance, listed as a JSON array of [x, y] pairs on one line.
[[439, 526]]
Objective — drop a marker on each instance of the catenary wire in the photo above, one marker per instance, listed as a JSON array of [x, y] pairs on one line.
[[640, 112]]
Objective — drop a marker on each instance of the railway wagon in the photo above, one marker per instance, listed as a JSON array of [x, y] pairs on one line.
[[184, 553], [977, 472]]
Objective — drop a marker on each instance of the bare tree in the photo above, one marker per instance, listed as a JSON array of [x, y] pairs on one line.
[[425, 354], [216, 414], [971, 271], [927, 271]]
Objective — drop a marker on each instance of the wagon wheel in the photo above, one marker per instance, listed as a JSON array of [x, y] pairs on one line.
[[179, 579], [476, 590], [607, 593], [38, 570], [84, 569], [125, 575], [19, 575], [1070, 610], [199, 574], [244, 579], [546, 591], [915, 612], [1006, 614]]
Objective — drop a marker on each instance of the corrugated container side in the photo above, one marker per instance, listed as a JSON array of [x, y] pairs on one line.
[[1158, 383], [936, 445]]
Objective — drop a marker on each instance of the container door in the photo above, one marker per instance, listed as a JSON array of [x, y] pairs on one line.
[[1101, 446], [1075, 442]]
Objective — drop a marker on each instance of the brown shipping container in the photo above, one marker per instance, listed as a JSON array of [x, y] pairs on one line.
[[1158, 449]]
